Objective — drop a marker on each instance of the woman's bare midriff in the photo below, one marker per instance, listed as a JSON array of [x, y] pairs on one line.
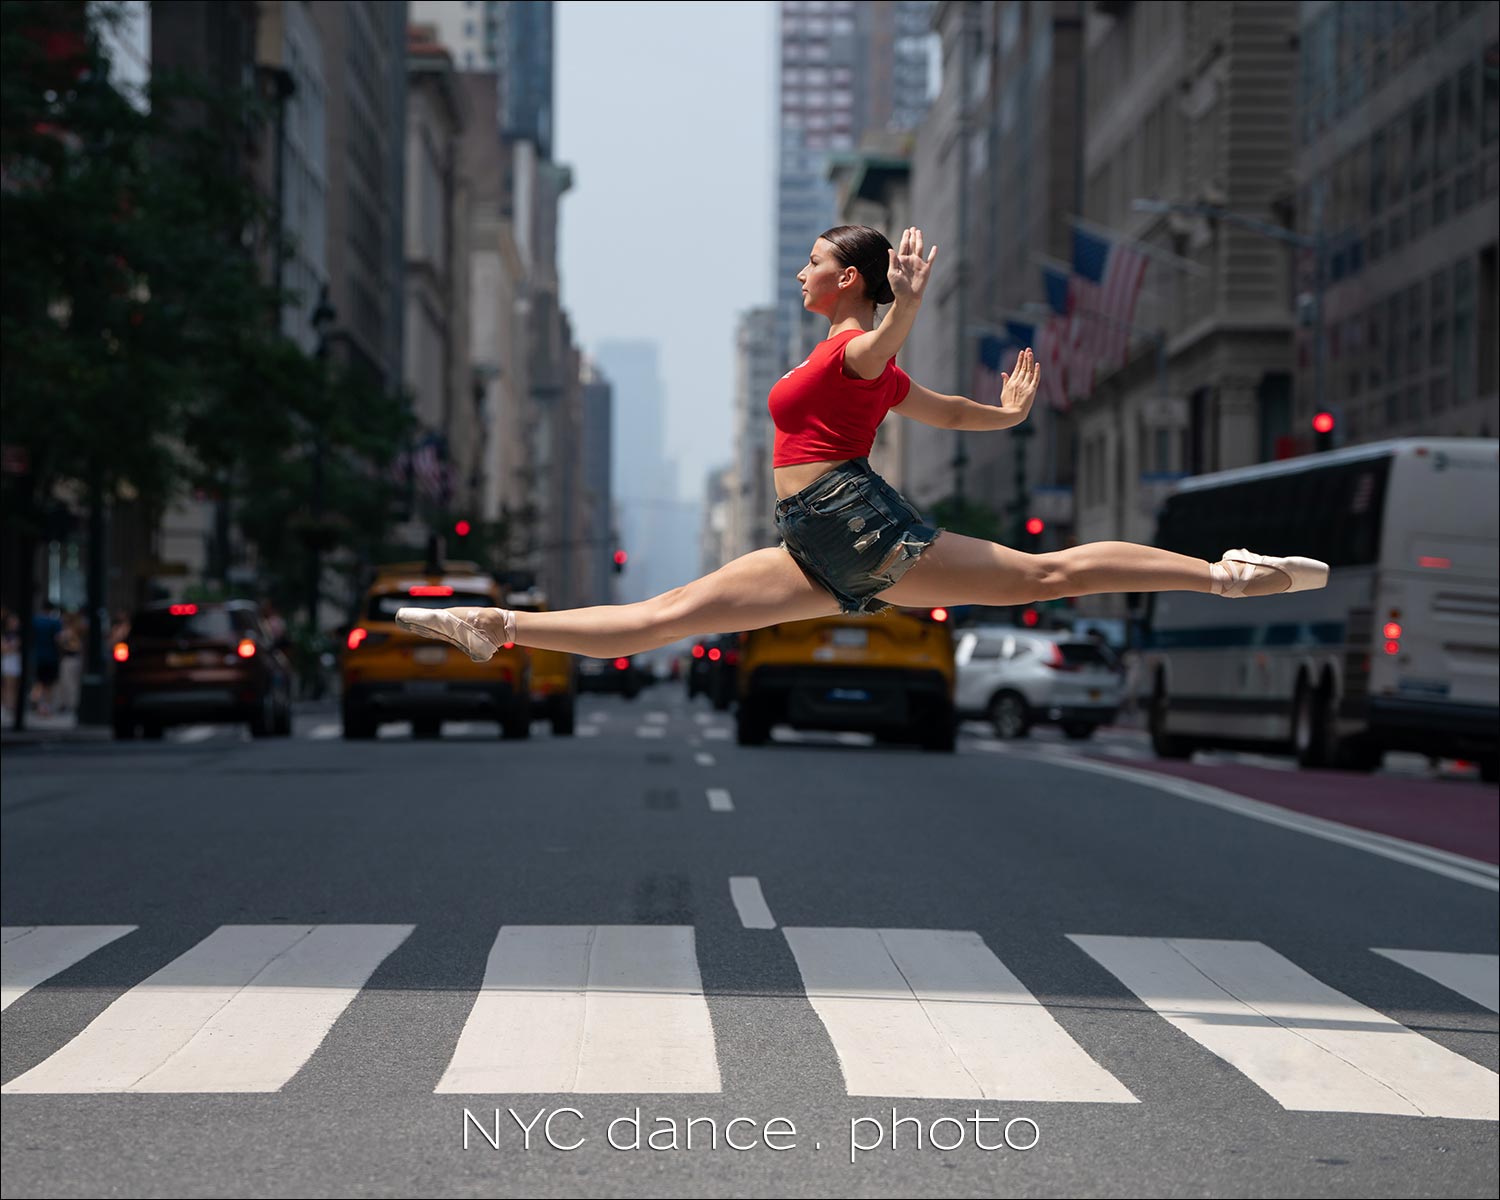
[[791, 480]]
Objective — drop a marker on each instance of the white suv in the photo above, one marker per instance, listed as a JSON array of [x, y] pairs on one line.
[[1016, 678]]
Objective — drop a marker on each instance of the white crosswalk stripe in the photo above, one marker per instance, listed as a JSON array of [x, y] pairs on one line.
[[1476, 976], [588, 1008], [621, 1009], [30, 954], [1310, 1047], [239, 1012], [933, 1013]]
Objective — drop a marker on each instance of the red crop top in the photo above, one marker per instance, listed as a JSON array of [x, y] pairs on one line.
[[821, 414]]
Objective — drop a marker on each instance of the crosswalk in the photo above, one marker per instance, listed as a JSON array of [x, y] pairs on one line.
[[623, 1009]]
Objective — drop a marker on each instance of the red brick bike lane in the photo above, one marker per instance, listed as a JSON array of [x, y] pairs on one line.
[[1458, 815]]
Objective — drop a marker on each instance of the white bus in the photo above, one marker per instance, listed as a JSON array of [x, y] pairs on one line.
[[1401, 651]]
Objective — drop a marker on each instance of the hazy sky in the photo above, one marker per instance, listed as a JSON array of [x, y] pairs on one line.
[[664, 112]]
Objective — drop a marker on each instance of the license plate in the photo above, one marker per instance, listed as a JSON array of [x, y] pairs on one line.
[[857, 638], [191, 658], [430, 654], [852, 694], [425, 687]]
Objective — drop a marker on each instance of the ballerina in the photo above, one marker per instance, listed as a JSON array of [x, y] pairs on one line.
[[850, 542]]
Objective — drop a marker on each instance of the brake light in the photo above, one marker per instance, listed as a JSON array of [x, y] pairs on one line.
[[1054, 658], [184, 610], [939, 614], [1392, 632], [430, 589], [698, 651], [622, 664], [1434, 561], [714, 655], [246, 648], [356, 636], [122, 652]]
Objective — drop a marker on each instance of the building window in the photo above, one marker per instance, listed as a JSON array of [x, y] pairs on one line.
[[1491, 106], [1463, 331], [1437, 303], [1420, 149]]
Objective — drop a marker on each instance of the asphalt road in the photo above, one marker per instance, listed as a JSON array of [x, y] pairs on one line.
[[306, 967]]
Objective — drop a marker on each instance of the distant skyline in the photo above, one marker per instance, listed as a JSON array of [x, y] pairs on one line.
[[665, 115]]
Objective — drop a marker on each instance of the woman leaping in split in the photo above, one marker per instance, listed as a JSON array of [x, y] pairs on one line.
[[849, 541]]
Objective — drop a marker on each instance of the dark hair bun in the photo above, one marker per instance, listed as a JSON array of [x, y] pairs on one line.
[[868, 252]]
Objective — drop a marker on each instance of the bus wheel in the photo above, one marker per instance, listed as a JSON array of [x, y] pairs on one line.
[[1165, 744], [1310, 726]]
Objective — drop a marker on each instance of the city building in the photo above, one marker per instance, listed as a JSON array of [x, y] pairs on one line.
[[751, 507], [436, 281], [469, 29], [842, 68], [1397, 167]]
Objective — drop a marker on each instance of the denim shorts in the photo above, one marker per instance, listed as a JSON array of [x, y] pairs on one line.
[[853, 533]]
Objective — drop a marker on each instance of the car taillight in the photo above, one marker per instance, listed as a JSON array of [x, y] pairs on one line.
[[356, 636], [698, 651], [732, 657], [122, 652], [939, 614], [1055, 658], [1392, 632], [622, 664], [246, 648], [183, 610], [715, 654], [430, 589]]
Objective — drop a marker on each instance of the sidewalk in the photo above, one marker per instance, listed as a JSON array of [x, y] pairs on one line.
[[64, 729], [54, 729]]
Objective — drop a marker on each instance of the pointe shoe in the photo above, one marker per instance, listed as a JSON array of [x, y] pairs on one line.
[[447, 626], [1237, 569]]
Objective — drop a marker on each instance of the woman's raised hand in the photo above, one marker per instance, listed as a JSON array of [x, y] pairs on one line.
[[908, 271], [1019, 386]]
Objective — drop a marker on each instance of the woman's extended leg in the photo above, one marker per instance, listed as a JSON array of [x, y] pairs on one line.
[[755, 590], [962, 570]]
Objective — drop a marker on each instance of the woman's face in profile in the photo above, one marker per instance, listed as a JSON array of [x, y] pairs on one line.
[[820, 278]]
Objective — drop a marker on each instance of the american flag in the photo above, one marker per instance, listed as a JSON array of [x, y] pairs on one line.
[[987, 382], [1107, 279], [428, 468], [1050, 360]]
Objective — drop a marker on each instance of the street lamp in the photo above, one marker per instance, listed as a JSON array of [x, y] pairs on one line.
[[1315, 241], [323, 317]]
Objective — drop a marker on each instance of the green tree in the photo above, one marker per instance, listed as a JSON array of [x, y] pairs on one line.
[[970, 518], [136, 343]]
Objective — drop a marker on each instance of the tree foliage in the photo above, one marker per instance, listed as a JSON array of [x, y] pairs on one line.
[[137, 340]]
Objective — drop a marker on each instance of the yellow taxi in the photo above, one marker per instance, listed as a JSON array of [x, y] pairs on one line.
[[390, 674], [554, 673], [889, 674]]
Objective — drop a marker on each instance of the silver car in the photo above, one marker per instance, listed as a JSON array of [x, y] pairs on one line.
[[1016, 678]]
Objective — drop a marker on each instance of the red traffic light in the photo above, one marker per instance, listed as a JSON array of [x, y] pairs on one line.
[[462, 528], [620, 558], [1323, 422], [1031, 618], [1035, 525]]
